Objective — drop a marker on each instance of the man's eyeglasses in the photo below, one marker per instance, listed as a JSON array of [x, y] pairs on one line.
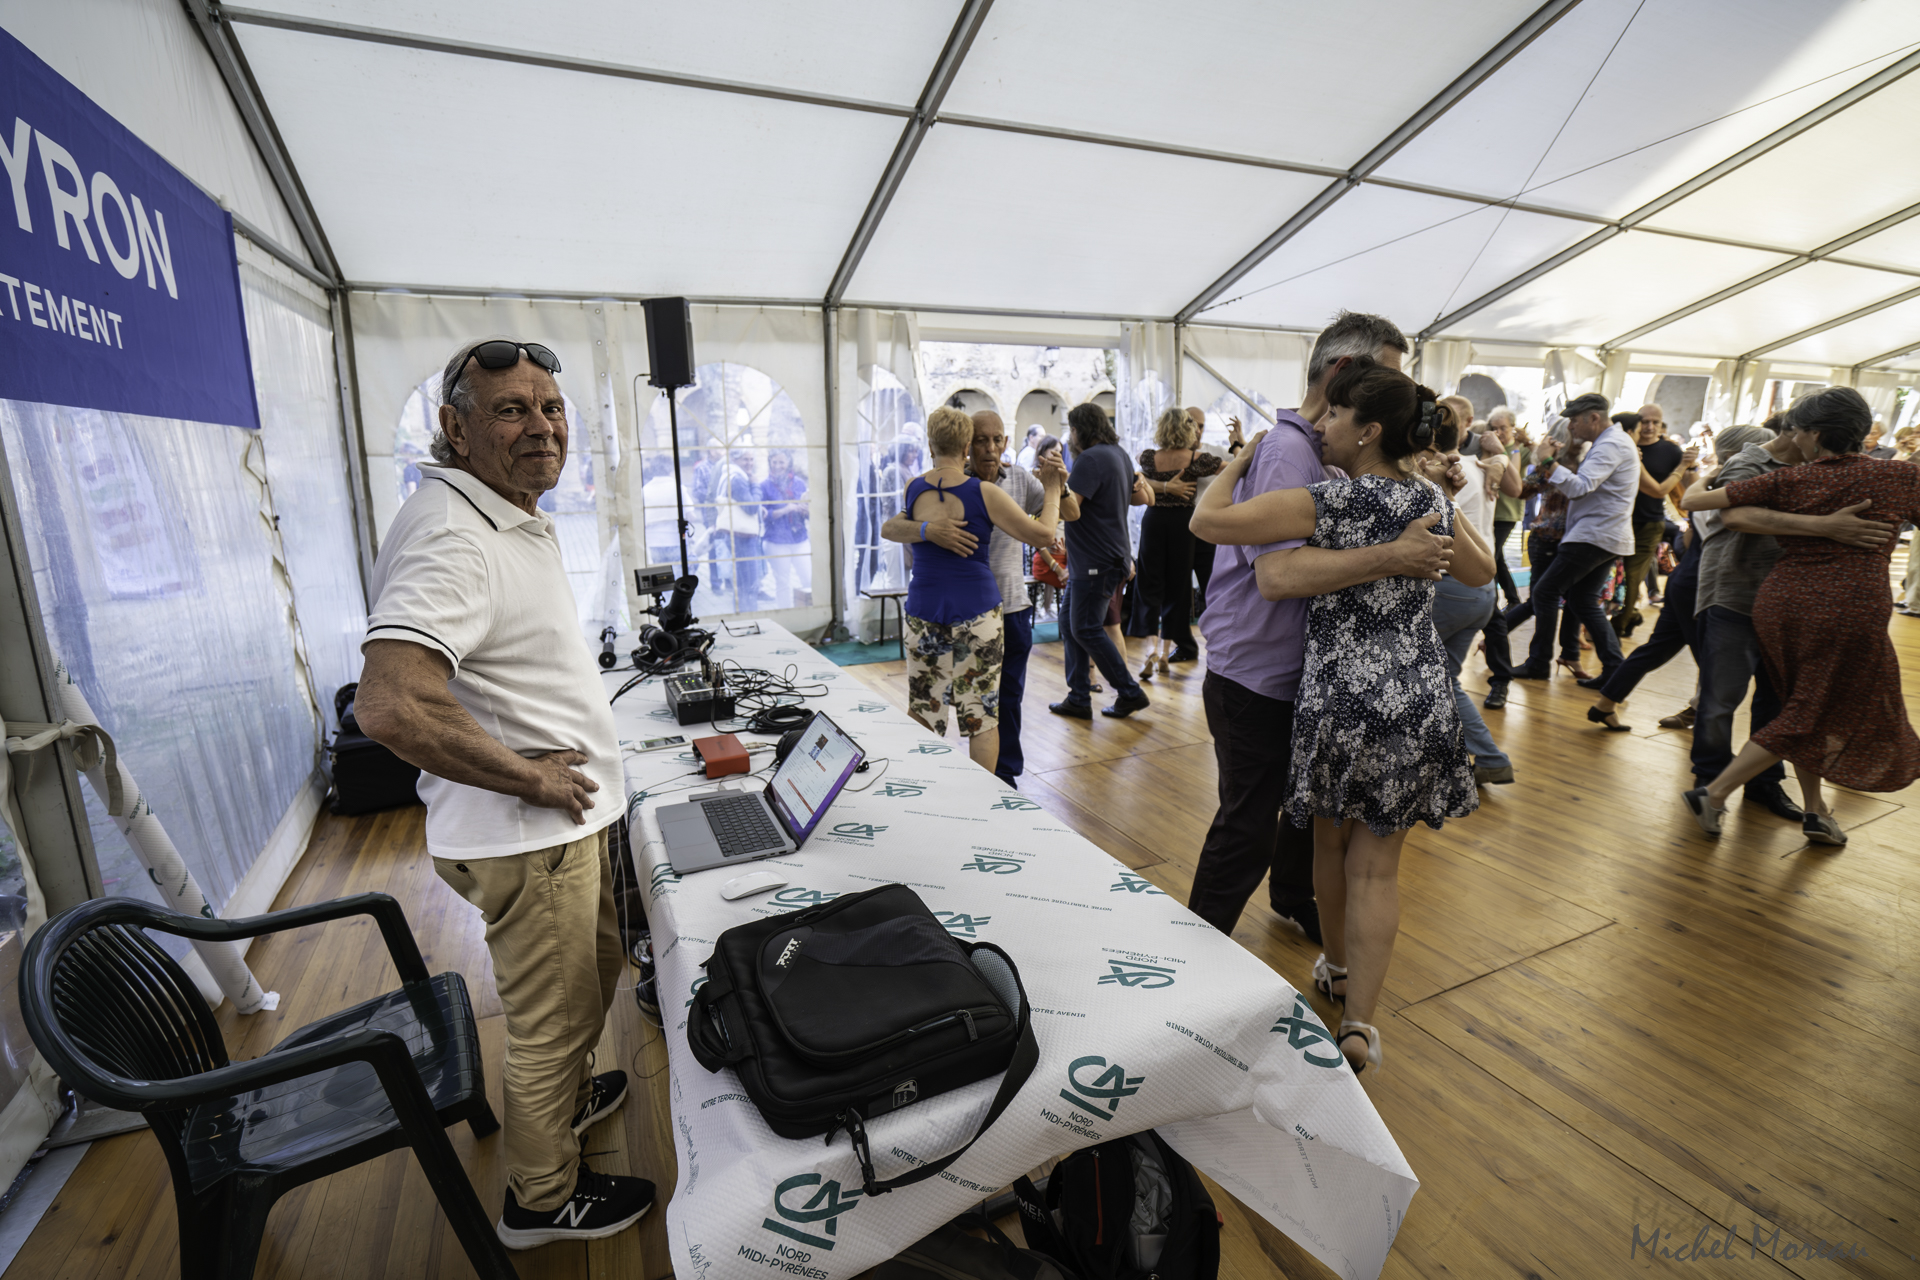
[[503, 355]]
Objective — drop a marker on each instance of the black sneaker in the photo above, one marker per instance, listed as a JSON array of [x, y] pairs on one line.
[[1303, 915], [602, 1205], [605, 1093], [646, 992]]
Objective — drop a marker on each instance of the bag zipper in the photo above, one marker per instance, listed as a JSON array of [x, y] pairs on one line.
[[919, 1028]]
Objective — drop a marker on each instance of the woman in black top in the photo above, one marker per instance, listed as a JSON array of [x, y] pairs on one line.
[[1164, 591]]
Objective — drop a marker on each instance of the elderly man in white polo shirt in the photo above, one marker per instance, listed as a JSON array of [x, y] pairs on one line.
[[1599, 531], [476, 671]]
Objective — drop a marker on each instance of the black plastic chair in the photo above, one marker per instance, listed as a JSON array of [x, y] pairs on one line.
[[125, 1026]]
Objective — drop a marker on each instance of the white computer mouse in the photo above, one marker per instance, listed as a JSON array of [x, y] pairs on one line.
[[751, 882]]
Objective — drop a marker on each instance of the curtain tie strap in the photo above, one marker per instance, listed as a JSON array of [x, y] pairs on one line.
[[92, 745]]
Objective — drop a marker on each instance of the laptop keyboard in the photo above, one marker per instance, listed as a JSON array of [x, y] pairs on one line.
[[741, 826]]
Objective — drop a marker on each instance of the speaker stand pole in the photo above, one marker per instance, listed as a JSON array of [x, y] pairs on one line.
[[679, 493]]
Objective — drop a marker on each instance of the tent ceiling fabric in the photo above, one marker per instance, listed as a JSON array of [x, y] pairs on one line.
[[1271, 78], [525, 178], [635, 187], [1062, 242], [1377, 251]]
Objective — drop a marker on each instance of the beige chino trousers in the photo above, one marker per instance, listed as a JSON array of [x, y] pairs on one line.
[[556, 963]]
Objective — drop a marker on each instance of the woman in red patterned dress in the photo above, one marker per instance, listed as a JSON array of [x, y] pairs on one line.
[[1821, 619]]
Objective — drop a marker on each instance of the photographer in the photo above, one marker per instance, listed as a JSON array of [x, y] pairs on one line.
[[476, 671]]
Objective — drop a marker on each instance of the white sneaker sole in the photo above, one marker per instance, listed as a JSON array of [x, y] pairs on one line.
[[514, 1239], [603, 1112]]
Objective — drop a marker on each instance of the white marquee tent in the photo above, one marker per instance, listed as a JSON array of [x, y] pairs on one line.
[[1590, 186], [1602, 191]]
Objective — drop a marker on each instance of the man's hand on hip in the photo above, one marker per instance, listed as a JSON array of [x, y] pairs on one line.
[[556, 784], [1419, 551], [952, 534]]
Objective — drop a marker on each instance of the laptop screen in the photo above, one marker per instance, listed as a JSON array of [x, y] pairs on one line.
[[812, 775]]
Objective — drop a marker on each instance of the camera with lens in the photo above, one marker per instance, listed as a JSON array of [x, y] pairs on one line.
[[675, 639]]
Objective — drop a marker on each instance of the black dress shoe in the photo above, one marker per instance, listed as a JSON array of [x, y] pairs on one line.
[[1071, 710], [1592, 682], [1124, 706], [1496, 698], [1532, 673], [1303, 915], [1184, 655], [1773, 797]]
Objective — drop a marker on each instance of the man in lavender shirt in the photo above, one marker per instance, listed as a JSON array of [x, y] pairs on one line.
[[1256, 628]]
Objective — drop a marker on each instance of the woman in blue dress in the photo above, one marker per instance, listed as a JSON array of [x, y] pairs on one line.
[[955, 644], [1377, 744]]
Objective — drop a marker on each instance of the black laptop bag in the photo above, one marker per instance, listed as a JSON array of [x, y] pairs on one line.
[[366, 776], [857, 1007]]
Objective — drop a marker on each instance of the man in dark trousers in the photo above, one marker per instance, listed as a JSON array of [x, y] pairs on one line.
[[1256, 630], [1099, 560]]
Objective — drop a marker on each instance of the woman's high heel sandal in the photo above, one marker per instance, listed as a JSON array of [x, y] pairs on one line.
[[1146, 672], [1573, 668], [1369, 1033], [1325, 975]]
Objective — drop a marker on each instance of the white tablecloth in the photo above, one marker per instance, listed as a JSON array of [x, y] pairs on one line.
[[1146, 1017]]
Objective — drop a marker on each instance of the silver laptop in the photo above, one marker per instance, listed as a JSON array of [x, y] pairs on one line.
[[726, 828]]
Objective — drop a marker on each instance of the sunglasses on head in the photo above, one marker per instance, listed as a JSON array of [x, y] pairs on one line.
[[502, 354]]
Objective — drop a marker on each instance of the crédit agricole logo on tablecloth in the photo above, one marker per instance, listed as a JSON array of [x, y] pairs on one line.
[[818, 1213], [1305, 1033], [1095, 1089]]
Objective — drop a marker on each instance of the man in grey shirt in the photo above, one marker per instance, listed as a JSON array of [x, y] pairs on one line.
[[1599, 531], [1738, 554], [1007, 557]]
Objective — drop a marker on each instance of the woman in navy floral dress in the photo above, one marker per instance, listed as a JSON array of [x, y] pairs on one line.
[[1377, 745]]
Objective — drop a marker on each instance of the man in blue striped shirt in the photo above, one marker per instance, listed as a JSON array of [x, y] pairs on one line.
[[1599, 530]]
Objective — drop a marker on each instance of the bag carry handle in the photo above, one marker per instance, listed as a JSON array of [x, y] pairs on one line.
[[1026, 1055], [711, 1048]]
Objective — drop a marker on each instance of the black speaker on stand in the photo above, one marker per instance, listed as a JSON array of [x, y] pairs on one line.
[[670, 367]]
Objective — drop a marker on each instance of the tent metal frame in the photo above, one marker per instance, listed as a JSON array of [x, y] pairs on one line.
[[217, 23], [1786, 133], [1824, 253], [973, 14], [1469, 80], [213, 25]]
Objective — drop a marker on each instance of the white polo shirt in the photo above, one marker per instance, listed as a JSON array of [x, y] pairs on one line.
[[466, 573]]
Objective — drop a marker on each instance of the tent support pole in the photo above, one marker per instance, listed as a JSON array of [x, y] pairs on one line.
[[353, 430], [837, 589]]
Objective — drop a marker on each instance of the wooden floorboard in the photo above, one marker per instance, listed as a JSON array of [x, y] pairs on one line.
[[1597, 1021]]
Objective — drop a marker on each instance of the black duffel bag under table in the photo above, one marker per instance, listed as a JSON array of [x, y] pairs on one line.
[[857, 1007]]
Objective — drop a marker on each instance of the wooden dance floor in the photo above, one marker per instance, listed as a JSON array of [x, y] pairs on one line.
[[1599, 1024]]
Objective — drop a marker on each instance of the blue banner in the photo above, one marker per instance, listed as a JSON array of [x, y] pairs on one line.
[[119, 289]]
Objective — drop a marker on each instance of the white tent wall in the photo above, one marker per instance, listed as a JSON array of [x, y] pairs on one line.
[[290, 336], [143, 62], [401, 339], [1252, 362]]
